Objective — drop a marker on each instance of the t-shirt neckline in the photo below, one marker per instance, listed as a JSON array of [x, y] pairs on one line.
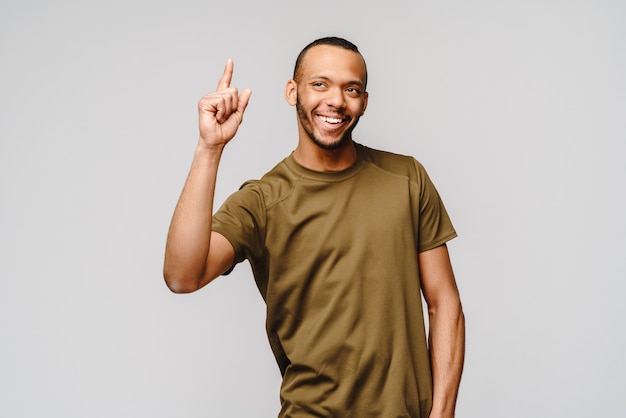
[[328, 176]]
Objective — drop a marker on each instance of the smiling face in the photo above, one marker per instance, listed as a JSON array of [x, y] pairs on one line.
[[329, 95]]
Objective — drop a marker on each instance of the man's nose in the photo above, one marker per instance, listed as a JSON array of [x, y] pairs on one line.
[[336, 98]]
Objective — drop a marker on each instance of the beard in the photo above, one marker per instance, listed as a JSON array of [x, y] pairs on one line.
[[307, 125]]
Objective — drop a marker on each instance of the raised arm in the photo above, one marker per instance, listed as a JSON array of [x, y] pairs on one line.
[[447, 329], [193, 254]]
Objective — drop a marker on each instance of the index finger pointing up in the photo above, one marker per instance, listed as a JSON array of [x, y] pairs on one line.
[[224, 82]]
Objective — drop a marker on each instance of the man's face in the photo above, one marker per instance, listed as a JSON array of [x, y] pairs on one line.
[[329, 95]]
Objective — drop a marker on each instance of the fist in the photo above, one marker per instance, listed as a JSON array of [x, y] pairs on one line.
[[221, 112]]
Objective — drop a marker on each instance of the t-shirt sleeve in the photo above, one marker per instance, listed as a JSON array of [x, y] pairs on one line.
[[434, 226], [241, 220]]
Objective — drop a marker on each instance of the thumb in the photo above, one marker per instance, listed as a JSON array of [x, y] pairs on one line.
[[244, 99]]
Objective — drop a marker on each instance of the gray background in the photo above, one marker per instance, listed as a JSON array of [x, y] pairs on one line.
[[516, 108]]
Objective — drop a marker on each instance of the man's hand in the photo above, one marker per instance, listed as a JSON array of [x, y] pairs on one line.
[[221, 112]]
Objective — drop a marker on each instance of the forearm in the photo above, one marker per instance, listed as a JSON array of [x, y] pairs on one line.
[[447, 351], [189, 236]]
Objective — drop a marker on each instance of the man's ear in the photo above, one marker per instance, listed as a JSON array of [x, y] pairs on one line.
[[365, 99], [291, 92]]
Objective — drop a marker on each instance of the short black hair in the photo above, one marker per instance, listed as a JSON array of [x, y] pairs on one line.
[[331, 41]]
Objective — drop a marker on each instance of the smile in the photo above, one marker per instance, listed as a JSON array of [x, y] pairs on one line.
[[328, 119]]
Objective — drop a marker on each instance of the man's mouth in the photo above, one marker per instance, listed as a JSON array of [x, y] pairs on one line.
[[329, 119]]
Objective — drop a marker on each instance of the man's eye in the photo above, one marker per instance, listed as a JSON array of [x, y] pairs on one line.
[[353, 90]]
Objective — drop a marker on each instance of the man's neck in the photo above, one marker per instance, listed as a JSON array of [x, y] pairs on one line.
[[315, 158]]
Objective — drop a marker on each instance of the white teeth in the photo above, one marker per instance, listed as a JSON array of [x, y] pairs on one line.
[[330, 120]]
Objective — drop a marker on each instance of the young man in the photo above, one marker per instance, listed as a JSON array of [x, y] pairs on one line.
[[341, 239]]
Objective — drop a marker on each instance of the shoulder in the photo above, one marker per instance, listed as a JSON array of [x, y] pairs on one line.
[[394, 163], [273, 186]]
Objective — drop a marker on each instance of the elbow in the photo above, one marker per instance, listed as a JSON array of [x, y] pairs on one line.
[[178, 288], [179, 283], [451, 307]]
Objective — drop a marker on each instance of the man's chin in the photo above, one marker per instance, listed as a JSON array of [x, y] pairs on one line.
[[330, 145]]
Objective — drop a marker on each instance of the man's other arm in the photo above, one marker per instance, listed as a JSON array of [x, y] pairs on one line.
[[447, 329]]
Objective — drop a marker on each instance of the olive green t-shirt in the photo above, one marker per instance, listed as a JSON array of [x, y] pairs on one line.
[[334, 256]]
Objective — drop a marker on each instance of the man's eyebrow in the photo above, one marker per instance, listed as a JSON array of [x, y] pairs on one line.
[[325, 78], [355, 82], [319, 77]]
